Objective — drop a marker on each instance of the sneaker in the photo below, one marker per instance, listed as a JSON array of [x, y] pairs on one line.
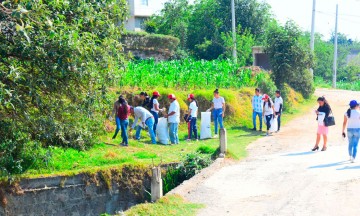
[[352, 160], [260, 130], [267, 134], [254, 129], [188, 140], [216, 136], [197, 140]]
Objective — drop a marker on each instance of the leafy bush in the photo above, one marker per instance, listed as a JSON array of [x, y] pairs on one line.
[[266, 84]]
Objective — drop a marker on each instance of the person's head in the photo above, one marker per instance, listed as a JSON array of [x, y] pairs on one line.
[[122, 100], [132, 110], [156, 94], [277, 93], [265, 98], [257, 91], [171, 97], [143, 95], [321, 101], [191, 97], [354, 104], [216, 93]]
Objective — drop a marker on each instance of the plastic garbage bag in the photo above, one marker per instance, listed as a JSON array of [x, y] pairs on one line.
[[205, 130], [162, 133], [274, 125]]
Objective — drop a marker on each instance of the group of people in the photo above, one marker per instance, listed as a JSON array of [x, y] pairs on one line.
[[148, 114], [266, 108]]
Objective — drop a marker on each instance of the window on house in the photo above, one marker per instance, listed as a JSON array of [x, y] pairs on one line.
[[139, 22], [145, 2]]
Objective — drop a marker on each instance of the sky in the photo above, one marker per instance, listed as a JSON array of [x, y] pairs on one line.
[[300, 11]]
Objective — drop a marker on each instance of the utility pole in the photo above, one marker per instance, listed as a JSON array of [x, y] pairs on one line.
[[312, 40], [233, 30], [336, 47]]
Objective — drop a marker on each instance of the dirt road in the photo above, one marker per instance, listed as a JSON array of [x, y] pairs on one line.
[[282, 176]]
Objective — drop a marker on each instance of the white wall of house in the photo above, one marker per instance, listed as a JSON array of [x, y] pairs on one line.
[[140, 10]]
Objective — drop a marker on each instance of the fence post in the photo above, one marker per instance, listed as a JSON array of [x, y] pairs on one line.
[[223, 142], [156, 184]]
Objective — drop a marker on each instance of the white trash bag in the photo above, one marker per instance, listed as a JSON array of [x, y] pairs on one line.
[[205, 132], [274, 125], [162, 133]]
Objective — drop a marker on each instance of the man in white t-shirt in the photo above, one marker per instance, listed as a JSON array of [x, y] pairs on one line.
[[278, 105], [173, 119]]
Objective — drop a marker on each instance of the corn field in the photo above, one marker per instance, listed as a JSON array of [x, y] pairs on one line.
[[184, 74]]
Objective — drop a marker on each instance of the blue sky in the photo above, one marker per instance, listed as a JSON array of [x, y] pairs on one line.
[[300, 11]]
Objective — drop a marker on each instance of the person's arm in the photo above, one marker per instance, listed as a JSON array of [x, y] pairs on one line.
[[224, 109], [273, 108], [143, 118], [211, 108], [135, 121], [263, 108], [344, 124], [156, 107], [280, 110]]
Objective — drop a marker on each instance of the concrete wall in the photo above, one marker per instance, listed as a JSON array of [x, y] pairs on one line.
[[72, 196]]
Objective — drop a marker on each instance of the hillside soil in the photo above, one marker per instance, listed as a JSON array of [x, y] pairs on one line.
[[281, 176]]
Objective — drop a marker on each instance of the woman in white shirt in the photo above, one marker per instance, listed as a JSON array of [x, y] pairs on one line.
[[155, 109], [218, 105], [268, 112], [352, 121], [192, 117]]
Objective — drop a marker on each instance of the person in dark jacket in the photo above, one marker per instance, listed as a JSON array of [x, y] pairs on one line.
[[322, 112], [146, 100]]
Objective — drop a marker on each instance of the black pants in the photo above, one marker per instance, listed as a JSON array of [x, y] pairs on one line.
[[278, 119], [268, 120]]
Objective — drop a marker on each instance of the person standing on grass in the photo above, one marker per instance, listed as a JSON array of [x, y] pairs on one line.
[[257, 105], [115, 113], [173, 119], [146, 100], [123, 115], [278, 107], [146, 118], [352, 121], [154, 103], [322, 112], [268, 112], [192, 117], [218, 105]]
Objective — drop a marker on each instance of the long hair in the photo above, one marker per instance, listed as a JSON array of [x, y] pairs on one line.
[[195, 102], [269, 102], [124, 104], [348, 112], [326, 103]]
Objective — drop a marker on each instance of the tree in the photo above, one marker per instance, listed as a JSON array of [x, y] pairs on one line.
[[56, 59], [290, 58]]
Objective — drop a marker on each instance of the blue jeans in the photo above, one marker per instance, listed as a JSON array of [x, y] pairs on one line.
[[268, 121], [173, 133], [260, 119], [117, 119], [150, 123], [156, 119], [124, 124], [353, 136], [218, 119], [192, 128]]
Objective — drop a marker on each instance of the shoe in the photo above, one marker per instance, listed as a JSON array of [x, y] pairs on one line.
[[267, 134], [315, 148], [277, 131], [125, 145], [352, 160], [260, 130], [188, 140], [324, 148], [254, 129], [197, 140], [216, 136]]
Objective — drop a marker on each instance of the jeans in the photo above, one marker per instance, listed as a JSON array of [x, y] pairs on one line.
[[218, 119], [353, 136], [117, 119], [173, 133], [156, 119], [268, 120], [260, 119], [278, 120], [150, 123], [192, 128], [124, 124]]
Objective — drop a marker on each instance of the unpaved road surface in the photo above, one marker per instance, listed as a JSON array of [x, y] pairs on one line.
[[281, 176]]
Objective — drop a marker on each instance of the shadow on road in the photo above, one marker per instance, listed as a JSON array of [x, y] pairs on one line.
[[349, 168], [299, 154], [327, 165]]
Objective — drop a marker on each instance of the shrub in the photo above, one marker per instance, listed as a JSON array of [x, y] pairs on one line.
[[266, 84]]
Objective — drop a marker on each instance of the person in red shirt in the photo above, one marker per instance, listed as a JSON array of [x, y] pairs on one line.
[[123, 114]]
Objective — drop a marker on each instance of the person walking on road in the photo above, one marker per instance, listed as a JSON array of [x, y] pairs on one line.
[[268, 112], [278, 105], [218, 105], [123, 115], [322, 112], [192, 117], [146, 118], [115, 110], [352, 123], [173, 119], [257, 103], [155, 109]]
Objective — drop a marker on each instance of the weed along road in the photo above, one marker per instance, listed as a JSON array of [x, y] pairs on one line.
[[281, 176]]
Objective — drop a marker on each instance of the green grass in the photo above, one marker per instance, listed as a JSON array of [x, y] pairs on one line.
[[168, 205]]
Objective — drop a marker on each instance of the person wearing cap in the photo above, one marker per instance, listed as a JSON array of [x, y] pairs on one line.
[[155, 108], [173, 119], [268, 112], [218, 105], [257, 103], [278, 105], [192, 117], [146, 118], [352, 123]]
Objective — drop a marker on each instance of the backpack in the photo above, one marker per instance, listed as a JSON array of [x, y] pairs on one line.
[[150, 104]]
